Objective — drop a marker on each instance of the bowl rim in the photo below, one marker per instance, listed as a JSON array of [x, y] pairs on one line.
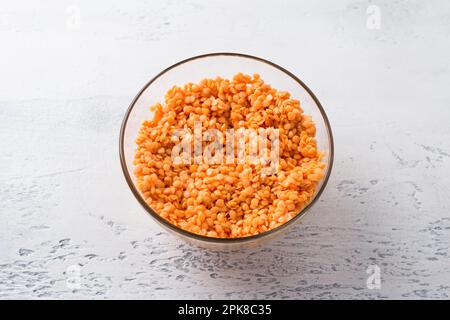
[[189, 234]]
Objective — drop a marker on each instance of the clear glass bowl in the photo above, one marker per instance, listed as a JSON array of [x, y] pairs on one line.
[[210, 66]]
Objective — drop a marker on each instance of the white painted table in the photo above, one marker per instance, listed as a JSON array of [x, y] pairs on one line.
[[69, 226]]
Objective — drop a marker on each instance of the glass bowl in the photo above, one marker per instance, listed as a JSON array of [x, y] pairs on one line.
[[210, 66]]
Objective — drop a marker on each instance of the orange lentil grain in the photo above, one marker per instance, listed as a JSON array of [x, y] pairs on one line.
[[227, 200]]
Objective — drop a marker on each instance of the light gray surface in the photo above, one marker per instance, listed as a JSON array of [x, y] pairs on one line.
[[64, 203]]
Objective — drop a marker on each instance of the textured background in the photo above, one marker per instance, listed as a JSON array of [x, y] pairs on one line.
[[69, 226]]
